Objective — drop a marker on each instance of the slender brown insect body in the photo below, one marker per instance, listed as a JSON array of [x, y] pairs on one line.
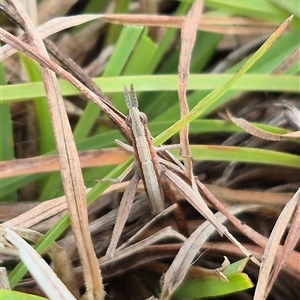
[[149, 169], [144, 152]]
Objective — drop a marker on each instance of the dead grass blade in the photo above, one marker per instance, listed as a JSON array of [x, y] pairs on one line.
[[262, 288], [184, 259], [62, 265], [70, 167], [106, 107], [292, 111], [163, 234], [289, 244], [223, 25], [199, 272], [289, 61], [188, 37], [123, 213], [39, 269], [195, 199], [41, 212], [4, 283], [244, 228], [51, 27], [50, 163], [249, 196], [146, 226], [207, 23], [249, 128], [47, 209]]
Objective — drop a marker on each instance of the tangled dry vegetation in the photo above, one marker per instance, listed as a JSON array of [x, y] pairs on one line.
[[246, 170]]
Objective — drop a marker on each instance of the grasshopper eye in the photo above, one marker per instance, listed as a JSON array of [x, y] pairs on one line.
[[128, 120], [143, 118]]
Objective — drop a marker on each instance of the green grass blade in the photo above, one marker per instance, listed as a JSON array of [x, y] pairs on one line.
[[20, 270], [44, 125], [167, 38], [114, 30], [12, 295], [210, 287], [123, 49], [246, 155], [291, 6], [6, 143], [197, 82], [6, 136], [257, 9], [281, 49], [105, 140], [136, 65], [203, 105], [198, 127]]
